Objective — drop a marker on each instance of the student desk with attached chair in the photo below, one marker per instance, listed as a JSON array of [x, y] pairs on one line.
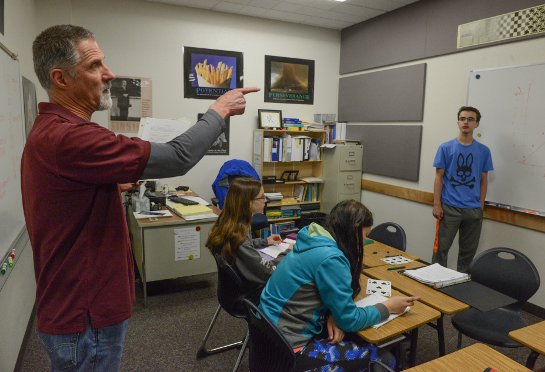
[[428, 295], [419, 315]]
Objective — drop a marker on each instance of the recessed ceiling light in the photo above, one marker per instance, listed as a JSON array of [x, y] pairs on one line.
[[341, 1]]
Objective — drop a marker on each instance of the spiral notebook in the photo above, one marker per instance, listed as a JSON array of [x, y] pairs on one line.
[[437, 276]]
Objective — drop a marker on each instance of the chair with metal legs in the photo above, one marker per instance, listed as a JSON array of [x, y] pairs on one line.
[[507, 271], [231, 291]]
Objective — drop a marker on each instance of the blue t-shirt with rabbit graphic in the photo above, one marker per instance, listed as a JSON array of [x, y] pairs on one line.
[[463, 165]]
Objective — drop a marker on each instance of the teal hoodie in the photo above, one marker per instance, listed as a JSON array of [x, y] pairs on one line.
[[312, 281]]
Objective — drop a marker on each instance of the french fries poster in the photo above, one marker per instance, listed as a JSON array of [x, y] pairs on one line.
[[289, 80], [209, 73]]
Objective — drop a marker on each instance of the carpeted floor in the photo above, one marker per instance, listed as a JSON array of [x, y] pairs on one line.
[[165, 335]]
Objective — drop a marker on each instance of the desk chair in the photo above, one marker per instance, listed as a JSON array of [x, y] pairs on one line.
[[507, 271], [230, 170], [231, 291], [390, 233], [269, 350]]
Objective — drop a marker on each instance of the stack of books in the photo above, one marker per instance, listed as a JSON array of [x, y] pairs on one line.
[[292, 124], [290, 211], [437, 276], [273, 213]]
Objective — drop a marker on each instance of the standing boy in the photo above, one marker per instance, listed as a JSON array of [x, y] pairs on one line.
[[459, 191]]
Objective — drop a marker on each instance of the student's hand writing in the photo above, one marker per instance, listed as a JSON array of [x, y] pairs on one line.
[[274, 239], [232, 102], [398, 304], [335, 334]]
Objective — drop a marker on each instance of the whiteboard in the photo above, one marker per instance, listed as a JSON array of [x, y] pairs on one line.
[[12, 137], [512, 104]]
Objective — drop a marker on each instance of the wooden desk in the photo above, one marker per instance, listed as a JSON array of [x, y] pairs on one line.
[[428, 295], [153, 245], [532, 336], [374, 252], [419, 315], [475, 357]]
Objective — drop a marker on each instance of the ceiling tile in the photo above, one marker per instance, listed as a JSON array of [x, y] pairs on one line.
[[321, 13]]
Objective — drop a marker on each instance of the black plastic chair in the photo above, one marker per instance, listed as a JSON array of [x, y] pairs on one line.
[[390, 233], [232, 289], [269, 350], [507, 271]]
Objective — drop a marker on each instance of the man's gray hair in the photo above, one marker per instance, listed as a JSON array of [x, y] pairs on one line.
[[55, 47]]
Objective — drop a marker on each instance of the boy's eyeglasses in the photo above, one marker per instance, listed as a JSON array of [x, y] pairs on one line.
[[469, 120]]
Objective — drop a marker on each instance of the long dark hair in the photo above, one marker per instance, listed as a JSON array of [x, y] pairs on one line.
[[233, 223], [345, 223]]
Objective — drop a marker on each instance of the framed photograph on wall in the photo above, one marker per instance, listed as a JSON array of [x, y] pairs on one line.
[[270, 119], [289, 80], [131, 101], [209, 73]]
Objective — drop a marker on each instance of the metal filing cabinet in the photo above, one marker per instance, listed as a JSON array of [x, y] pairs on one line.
[[342, 174]]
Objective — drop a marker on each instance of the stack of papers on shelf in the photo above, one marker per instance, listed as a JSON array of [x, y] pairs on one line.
[[312, 180], [374, 299], [437, 276], [311, 125], [273, 196]]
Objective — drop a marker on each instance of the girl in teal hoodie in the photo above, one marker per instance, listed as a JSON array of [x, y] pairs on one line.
[[319, 279]]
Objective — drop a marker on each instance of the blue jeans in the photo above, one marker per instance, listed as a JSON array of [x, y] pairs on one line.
[[97, 349]]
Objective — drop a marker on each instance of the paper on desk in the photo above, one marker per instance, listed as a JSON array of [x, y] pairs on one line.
[[275, 250], [374, 299], [188, 210], [142, 215], [396, 260], [201, 216], [187, 243]]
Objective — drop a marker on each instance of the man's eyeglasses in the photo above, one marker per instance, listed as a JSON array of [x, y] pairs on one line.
[[469, 120]]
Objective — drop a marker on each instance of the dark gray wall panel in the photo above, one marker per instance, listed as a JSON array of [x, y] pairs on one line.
[[389, 150], [384, 40], [390, 95], [419, 30]]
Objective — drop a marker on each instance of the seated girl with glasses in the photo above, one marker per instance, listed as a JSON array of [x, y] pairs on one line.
[[320, 278], [231, 234]]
